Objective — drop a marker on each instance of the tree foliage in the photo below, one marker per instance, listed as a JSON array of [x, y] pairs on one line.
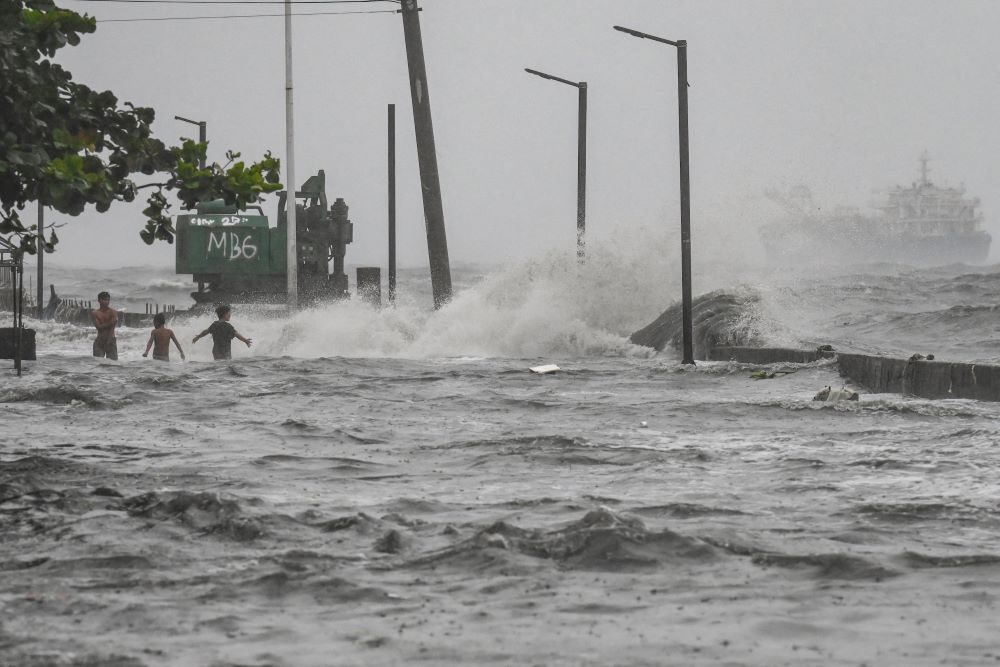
[[68, 146]]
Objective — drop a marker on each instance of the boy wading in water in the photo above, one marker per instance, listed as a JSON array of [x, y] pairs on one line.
[[223, 334], [105, 318], [159, 339]]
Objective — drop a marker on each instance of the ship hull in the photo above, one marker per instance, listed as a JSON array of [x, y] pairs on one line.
[[802, 247]]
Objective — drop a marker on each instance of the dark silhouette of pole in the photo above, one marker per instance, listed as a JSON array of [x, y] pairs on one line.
[[392, 204], [682, 104], [581, 174], [202, 138], [202, 133], [291, 208], [581, 158], [18, 304], [41, 260], [430, 184]]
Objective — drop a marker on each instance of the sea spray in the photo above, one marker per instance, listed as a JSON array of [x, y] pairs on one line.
[[553, 306]]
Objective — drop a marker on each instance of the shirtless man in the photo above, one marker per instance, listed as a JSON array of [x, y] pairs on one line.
[[105, 319]]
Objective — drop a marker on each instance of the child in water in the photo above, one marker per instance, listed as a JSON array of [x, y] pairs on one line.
[[223, 334], [159, 339]]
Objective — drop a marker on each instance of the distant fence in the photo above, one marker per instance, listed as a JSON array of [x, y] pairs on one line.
[[76, 311]]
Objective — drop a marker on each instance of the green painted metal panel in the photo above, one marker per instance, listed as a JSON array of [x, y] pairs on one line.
[[212, 243], [279, 249]]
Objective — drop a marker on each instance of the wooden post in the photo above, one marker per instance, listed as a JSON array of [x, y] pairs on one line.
[[430, 185]]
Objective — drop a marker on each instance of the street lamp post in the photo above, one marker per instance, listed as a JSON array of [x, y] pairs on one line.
[[202, 133], [291, 207], [581, 159], [682, 103]]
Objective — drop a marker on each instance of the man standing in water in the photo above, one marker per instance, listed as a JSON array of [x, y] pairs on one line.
[[105, 319]]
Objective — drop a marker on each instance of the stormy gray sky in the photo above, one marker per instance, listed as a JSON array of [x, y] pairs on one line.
[[840, 95]]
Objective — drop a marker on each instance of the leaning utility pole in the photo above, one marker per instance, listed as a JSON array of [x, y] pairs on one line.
[[430, 185]]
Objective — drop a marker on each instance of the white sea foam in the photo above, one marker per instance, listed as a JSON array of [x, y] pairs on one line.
[[551, 307], [554, 307]]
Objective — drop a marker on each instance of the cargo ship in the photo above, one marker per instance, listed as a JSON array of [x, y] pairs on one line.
[[922, 224]]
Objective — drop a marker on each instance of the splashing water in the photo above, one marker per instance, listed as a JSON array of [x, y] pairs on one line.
[[391, 486]]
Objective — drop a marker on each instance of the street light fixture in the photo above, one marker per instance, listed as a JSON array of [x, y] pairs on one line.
[[202, 132], [682, 103], [581, 158]]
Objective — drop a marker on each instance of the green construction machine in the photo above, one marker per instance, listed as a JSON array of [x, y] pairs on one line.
[[235, 256]]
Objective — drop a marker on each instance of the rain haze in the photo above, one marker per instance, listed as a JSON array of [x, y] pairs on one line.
[[533, 473], [840, 96]]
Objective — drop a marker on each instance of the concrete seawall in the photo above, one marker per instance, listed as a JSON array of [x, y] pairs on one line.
[[880, 375], [927, 379]]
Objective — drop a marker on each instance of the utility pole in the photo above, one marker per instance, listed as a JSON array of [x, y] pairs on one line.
[[41, 258], [392, 203], [291, 256], [430, 185]]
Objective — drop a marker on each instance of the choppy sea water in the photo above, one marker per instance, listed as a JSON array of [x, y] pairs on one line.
[[389, 487]]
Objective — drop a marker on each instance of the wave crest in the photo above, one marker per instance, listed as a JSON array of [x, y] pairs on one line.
[[204, 512], [601, 540]]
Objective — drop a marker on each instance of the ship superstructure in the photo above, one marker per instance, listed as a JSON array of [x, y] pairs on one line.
[[922, 224]]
